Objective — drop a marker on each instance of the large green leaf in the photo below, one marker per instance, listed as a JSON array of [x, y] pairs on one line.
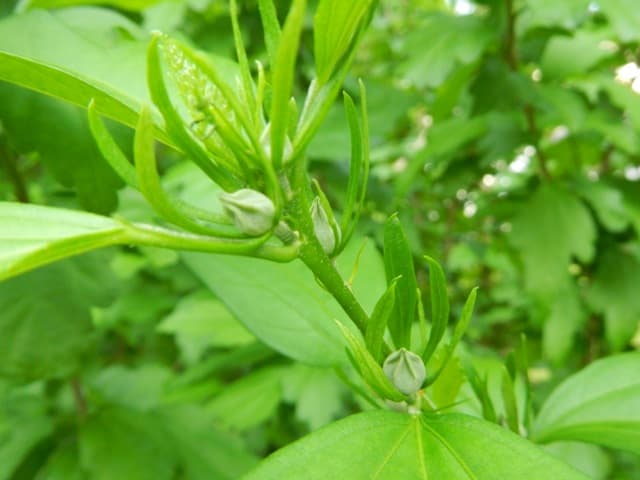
[[35, 123], [284, 306], [442, 43], [614, 293], [78, 54], [123, 4], [32, 235], [46, 321], [600, 404], [551, 228], [116, 442], [386, 445]]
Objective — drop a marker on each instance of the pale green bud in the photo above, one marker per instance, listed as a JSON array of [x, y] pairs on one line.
[[251, 211], [406, 371], [322, 227]]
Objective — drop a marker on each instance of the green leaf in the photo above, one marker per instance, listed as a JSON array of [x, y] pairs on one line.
[[440, 44], [552, 227], [121, 443], [109, 149], [138, 388], [132, 5], [200, 321], [567, 316], [24, 423], [32, 235], [249, 401], [374, 335], [624, 17], [336, 26], [35, 124], [205, 452], [614, 293], [358, 166], [317, 393], [600, 404], [46, 319], [383, 444], [271, 26], [67, 59], [398, 261], [282, 82], [439, 307], [287, 310], [459, 330]]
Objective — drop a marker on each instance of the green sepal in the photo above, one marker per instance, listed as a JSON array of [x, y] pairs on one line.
[[405, 370], [282, 83], [374, 334], [439, 307], [398, 261], [370, 370], [461, 327], [175, 124]]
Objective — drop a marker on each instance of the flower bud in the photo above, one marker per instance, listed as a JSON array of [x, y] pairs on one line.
[[322, 227], [251, 211], [406, 371]]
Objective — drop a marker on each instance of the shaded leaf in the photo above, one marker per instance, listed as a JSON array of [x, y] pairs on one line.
[[600, 404]]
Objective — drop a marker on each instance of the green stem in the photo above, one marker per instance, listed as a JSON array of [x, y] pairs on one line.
[[312, 254], [153, 236]]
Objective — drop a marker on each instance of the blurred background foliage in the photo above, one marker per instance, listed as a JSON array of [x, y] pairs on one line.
[[505, 133]]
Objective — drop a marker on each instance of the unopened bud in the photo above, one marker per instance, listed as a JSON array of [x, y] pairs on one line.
[[322, 227], [406, 371], [251, 211]]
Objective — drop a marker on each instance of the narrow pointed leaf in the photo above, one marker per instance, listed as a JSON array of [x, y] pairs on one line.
[[271, 27], [336, 24], [283, 73], [439, 307], [351, 210], [458, 332], [374, 335], [109, 148], [398, 261], [510, 402], [389, 445]]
